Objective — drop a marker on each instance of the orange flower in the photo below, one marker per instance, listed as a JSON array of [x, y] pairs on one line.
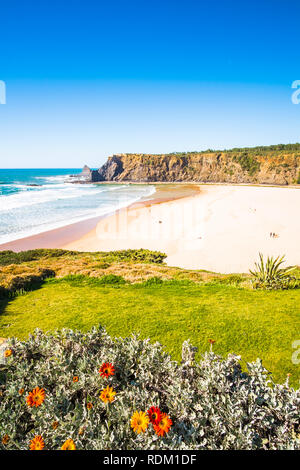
[[154, 415], [55, 424], [107, 369], [68, 445], [139, 421], [211, 341], [5, 439], [37, 443], [89, 406], [7, 352], [163, 427], [21, 391], [75, 378], [36, 397], [107, 395]]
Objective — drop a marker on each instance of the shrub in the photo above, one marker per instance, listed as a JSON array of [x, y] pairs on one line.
[[10, 257], [213, 404], [24, 283], [137, 256], [248, 163], [269, 274]]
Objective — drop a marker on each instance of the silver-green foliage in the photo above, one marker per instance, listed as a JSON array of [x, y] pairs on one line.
[[213, 403], [270, 275]]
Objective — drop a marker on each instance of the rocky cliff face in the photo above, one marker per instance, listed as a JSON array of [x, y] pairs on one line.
[[281, 166]]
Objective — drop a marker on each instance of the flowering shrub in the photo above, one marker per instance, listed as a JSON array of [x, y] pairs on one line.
[[131, 395]]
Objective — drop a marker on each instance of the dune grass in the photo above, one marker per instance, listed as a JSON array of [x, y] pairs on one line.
[[247, 322]]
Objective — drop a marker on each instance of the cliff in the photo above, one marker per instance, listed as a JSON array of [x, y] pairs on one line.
[[278, 164]]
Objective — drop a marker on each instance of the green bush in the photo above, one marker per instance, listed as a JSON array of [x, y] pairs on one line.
[[213, 404], [137, 256], [10, 257], [248, 163], [269, 274]]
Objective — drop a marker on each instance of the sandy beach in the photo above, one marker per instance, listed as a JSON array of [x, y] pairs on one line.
[[221, 228]]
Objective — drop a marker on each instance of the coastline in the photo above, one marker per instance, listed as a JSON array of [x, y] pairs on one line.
[[217, 227], [70, 233]]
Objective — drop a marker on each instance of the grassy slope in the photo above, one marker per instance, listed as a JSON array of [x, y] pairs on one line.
[[251, 323]]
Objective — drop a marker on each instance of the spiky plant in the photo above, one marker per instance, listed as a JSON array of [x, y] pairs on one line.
[[270, 275]]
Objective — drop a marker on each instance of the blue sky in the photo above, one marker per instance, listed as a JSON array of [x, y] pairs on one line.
[[88, 79]]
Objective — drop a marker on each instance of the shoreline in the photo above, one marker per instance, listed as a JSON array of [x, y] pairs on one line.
[[185, 183], [216, 227], [61, 236]]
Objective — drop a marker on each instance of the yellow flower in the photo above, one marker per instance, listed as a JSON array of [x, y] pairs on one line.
[[7, 352], [89, 406], [139, 421], [68, 445], [107, 395], [37, 443]]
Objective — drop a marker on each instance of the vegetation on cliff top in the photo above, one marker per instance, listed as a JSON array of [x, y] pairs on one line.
[[278, 149]]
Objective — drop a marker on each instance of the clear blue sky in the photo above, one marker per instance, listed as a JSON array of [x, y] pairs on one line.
[[86, 79]]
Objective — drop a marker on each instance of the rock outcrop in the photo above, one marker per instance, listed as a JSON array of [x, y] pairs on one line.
[[278, 164], [85, 175]]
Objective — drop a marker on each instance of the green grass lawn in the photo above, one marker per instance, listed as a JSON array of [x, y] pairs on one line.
[[249, 323]]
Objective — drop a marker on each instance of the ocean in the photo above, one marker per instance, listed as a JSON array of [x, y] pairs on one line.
[[36, 200]]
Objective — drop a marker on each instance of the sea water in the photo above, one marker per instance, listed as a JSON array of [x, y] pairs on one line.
[[36, 200]]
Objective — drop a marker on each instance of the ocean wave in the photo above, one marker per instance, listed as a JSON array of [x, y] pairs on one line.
[[37, 225], [40, 196]]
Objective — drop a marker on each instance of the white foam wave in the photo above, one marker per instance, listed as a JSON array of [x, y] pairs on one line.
[[104, 209], [39, 196]]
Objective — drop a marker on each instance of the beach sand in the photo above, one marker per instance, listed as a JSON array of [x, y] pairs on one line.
[[221, 228]]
